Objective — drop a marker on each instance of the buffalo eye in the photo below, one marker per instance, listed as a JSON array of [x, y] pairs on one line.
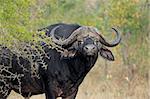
[[96, 42]]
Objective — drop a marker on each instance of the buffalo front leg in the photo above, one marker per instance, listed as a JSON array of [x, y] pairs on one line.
[[4, 94], [72, 96], [49, 93], [27, 98]]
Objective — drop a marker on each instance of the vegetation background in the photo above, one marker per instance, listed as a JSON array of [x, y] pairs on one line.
[[126, 78]]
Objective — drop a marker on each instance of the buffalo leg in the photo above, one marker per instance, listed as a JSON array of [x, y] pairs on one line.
[[5, 95], [49, 93], [72, 96], [26, 98]]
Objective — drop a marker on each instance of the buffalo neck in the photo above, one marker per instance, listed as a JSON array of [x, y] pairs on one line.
[[80, 65], [73, 69]]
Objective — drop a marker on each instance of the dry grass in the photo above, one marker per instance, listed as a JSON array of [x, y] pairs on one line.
[[115, 85]]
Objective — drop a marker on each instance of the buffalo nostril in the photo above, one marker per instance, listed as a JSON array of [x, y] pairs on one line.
[[94, 48], [86, 48]]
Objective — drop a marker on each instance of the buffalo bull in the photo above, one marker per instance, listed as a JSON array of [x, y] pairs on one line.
[[58, 74]]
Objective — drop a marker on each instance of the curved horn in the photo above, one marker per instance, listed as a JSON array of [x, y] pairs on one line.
[[67, 41], [113, 43]]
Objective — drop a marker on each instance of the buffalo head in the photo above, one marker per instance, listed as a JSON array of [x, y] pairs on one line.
[[87, 41]]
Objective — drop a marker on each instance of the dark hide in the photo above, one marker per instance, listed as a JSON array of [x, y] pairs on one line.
[[62, 76]]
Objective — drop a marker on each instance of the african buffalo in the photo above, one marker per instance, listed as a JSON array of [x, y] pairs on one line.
[[50, 71]]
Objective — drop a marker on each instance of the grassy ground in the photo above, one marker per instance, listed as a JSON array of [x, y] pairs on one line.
[[112, 83]]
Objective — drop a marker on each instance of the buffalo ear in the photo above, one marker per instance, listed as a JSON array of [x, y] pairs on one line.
[[107, 54]]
